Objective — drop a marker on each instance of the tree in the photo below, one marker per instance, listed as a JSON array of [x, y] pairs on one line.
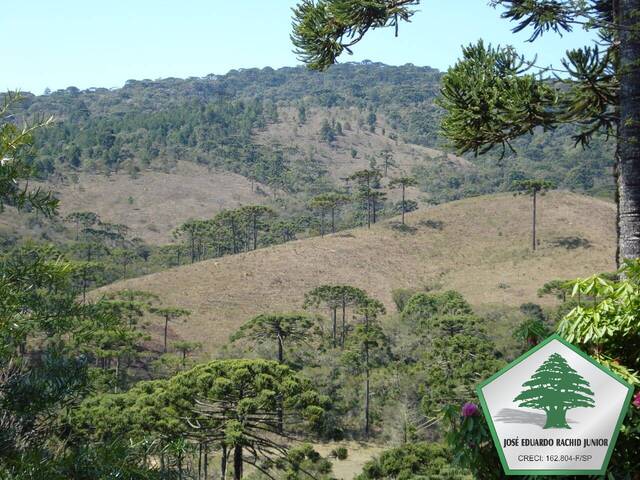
[[556, 387], [607, 328], [230, 404], [82, 219], [15, 169], [330, 296], [416, 460], [185, 348], [368, 185], [533, 188], [194, 231], [367, 338], [255, 215], [387, 159], [328, 202], [403, 182], [278, 327], [169, 314], [494, 96], [327, 133], [334, 297]]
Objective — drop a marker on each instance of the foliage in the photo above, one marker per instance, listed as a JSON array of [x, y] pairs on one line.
[[422, 306], [230, 403], [15, 169], [469, 439], [420, 460], [279, 328], [324, 29]]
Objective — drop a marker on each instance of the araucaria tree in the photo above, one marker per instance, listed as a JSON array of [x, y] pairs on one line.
[[278, 328], [403, 182], [335, 297], [169, 314], [493, 95], [533, 188], [364, 347], [254, 216], [368, 191], [555, 387], [328, 202], [230, 405]]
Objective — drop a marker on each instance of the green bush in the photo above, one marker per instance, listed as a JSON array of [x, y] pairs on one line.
[[341, 453], [412, 461]]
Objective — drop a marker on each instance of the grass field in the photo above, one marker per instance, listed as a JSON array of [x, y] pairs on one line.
[[478, 246]]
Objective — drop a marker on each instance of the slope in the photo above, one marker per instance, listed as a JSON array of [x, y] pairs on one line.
[[479, 246]]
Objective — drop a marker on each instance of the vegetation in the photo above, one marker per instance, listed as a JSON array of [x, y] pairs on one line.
[[533, 188], [494, 95], [102, 383]]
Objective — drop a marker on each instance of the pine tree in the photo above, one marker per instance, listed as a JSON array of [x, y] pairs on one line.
[[555, 387]]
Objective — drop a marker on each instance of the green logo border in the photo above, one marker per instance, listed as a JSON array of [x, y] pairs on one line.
[[494, 435]]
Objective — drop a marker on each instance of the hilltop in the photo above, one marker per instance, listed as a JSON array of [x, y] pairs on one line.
[[478, 246]]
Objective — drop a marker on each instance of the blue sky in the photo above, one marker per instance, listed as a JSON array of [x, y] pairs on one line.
[[91, 43]]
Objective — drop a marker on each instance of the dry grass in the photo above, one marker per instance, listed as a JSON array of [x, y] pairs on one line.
[[337, 158], [154, 203], [482, 249], [358, 455]]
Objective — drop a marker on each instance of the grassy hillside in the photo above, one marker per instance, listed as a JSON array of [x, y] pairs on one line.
[[479, 246], [154, 202]]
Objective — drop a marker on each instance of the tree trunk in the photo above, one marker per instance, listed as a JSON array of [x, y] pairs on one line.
[[166, 328], [403, 204], [233, 236], [334, 317], [333, 220], [115, 389], [223, 463], [255, 232], [280, 347], [534, 221], [629, 140], [237, 462], [84, 287], [322, 222], [366, 403], [344, 322], [373, 205], [206, 461]]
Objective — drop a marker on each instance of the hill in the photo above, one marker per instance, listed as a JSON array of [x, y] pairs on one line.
[[294, 131], [478, 246], [154, 202]]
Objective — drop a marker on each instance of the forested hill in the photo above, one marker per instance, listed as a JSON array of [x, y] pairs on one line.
[[235, 123]]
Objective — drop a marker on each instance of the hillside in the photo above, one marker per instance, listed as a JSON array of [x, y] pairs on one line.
[[156, 153], [479, 246], [154, 202]]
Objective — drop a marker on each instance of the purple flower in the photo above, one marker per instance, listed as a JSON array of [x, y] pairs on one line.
[[636, 400], [470, 409]]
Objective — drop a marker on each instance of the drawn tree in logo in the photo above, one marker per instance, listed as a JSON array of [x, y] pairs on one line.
[[556, 388]]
